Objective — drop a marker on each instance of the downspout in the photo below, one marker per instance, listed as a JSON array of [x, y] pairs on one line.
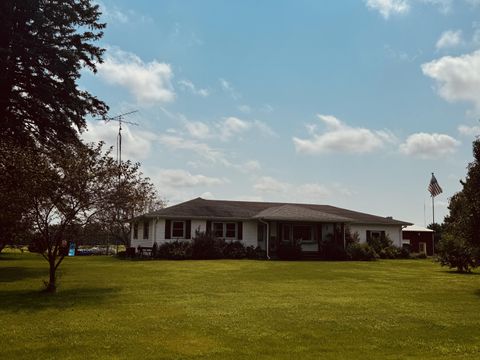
[[267, 244], [155, 231]]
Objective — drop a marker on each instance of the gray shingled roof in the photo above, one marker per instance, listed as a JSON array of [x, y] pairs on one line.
[[243, 210]]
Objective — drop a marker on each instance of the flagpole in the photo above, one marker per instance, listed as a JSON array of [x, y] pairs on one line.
[[433, 206], [433, 209]]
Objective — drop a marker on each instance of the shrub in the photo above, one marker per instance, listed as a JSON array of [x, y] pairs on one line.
[[130, 252], [255, 253], [390, 252], [234, 250], [456, 253], [289, 251], [332, 250], [175, 250], [206, 246], [380, 243], [404, 253], [154, 250], [122, 255], [360, 252], [418, 255]]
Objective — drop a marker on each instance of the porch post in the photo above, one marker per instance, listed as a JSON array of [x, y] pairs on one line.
[[344, 239]]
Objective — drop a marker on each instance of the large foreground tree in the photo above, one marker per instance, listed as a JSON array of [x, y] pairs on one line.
[[44, 44]]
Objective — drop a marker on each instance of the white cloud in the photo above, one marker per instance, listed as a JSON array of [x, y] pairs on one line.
[[389, 7], [458, 78], [469, 130], [198, 129], [188, 85], [147, 82], [179, 178], [112, 13], [174, 142], [136, 143], [232, 126], [449, 39], [229, 89], [280, 190], [429, 146], [339, 137]]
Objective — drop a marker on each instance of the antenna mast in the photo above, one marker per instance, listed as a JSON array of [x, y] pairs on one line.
[[120, 120]]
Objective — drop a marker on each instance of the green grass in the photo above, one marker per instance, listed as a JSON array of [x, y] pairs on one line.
[[108, 308]]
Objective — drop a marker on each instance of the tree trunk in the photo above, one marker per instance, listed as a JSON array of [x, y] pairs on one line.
[[51, 286]]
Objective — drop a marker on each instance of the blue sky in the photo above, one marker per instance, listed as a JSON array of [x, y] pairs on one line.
[[350, 103]]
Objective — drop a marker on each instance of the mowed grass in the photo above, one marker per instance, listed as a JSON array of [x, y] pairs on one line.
[[109, 308]]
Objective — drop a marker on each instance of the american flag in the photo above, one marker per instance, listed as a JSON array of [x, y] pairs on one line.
[[434, 188]]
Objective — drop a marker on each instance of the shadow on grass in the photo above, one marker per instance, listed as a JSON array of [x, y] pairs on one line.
[[21, 300], [455, 272], [16, 273]]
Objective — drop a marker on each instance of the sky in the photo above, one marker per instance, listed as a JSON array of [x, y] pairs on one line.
[[348, 103]]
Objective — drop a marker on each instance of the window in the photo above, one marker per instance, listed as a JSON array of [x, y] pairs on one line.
[[178, 229], [302, 233], [145, 230], [135, 231], [230, 230], [376, 235], [225, 230], [218, 230]]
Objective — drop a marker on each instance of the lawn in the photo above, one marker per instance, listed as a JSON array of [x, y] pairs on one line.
[[109, 308]]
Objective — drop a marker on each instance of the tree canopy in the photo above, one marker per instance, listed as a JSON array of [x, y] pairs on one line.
[[44, 45]]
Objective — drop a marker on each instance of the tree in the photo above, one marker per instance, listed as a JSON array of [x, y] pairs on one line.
[[462, 225], [43, 46], [70, 185], [128, 194]]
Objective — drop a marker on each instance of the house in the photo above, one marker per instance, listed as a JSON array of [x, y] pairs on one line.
[[419, 239], [263, 224]]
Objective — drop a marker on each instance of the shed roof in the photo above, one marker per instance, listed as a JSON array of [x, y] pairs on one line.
[[417, 228]]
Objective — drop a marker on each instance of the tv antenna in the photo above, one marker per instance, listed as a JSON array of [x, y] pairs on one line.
[[120, 120]]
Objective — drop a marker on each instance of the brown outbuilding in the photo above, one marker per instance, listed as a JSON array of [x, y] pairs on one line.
[[419, 239]]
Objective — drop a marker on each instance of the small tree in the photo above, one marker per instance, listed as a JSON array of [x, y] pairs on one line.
[[69, 186], [127, 194], [457, 253]]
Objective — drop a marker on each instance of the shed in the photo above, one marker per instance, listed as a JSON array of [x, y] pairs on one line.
[[419, 239]]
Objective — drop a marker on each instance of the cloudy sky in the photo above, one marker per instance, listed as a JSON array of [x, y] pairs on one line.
[[349, 103]]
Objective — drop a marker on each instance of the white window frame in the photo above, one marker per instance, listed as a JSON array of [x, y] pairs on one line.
[[224, 230], [183, 229]]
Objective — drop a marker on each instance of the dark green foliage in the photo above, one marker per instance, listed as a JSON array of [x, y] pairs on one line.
[[420, 255], [457, 253], [360, 252], [463, 221], [289, 251], [206, 246], [404, 252], [380, 243], [43, 47], [175, 250], [332, 250], [234, 250], [390, 252], [154, 250], [255, 253]]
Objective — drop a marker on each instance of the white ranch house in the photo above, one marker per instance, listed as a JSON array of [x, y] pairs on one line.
[[262, 224]]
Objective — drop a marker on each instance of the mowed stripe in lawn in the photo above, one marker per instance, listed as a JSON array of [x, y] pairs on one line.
[[227, 309]]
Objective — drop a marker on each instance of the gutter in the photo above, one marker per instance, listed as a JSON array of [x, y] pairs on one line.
[[267, 243]]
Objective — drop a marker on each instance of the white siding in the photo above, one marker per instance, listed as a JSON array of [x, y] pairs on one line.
[[249, 237], [200, 225], [141, 241], [393, 231]]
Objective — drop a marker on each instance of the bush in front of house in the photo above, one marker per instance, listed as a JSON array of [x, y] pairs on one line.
[[289, 251], [360, 252], [234, 250], [332, 250], [205, 246], [457, 253], [255, 253], [175, 250]]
